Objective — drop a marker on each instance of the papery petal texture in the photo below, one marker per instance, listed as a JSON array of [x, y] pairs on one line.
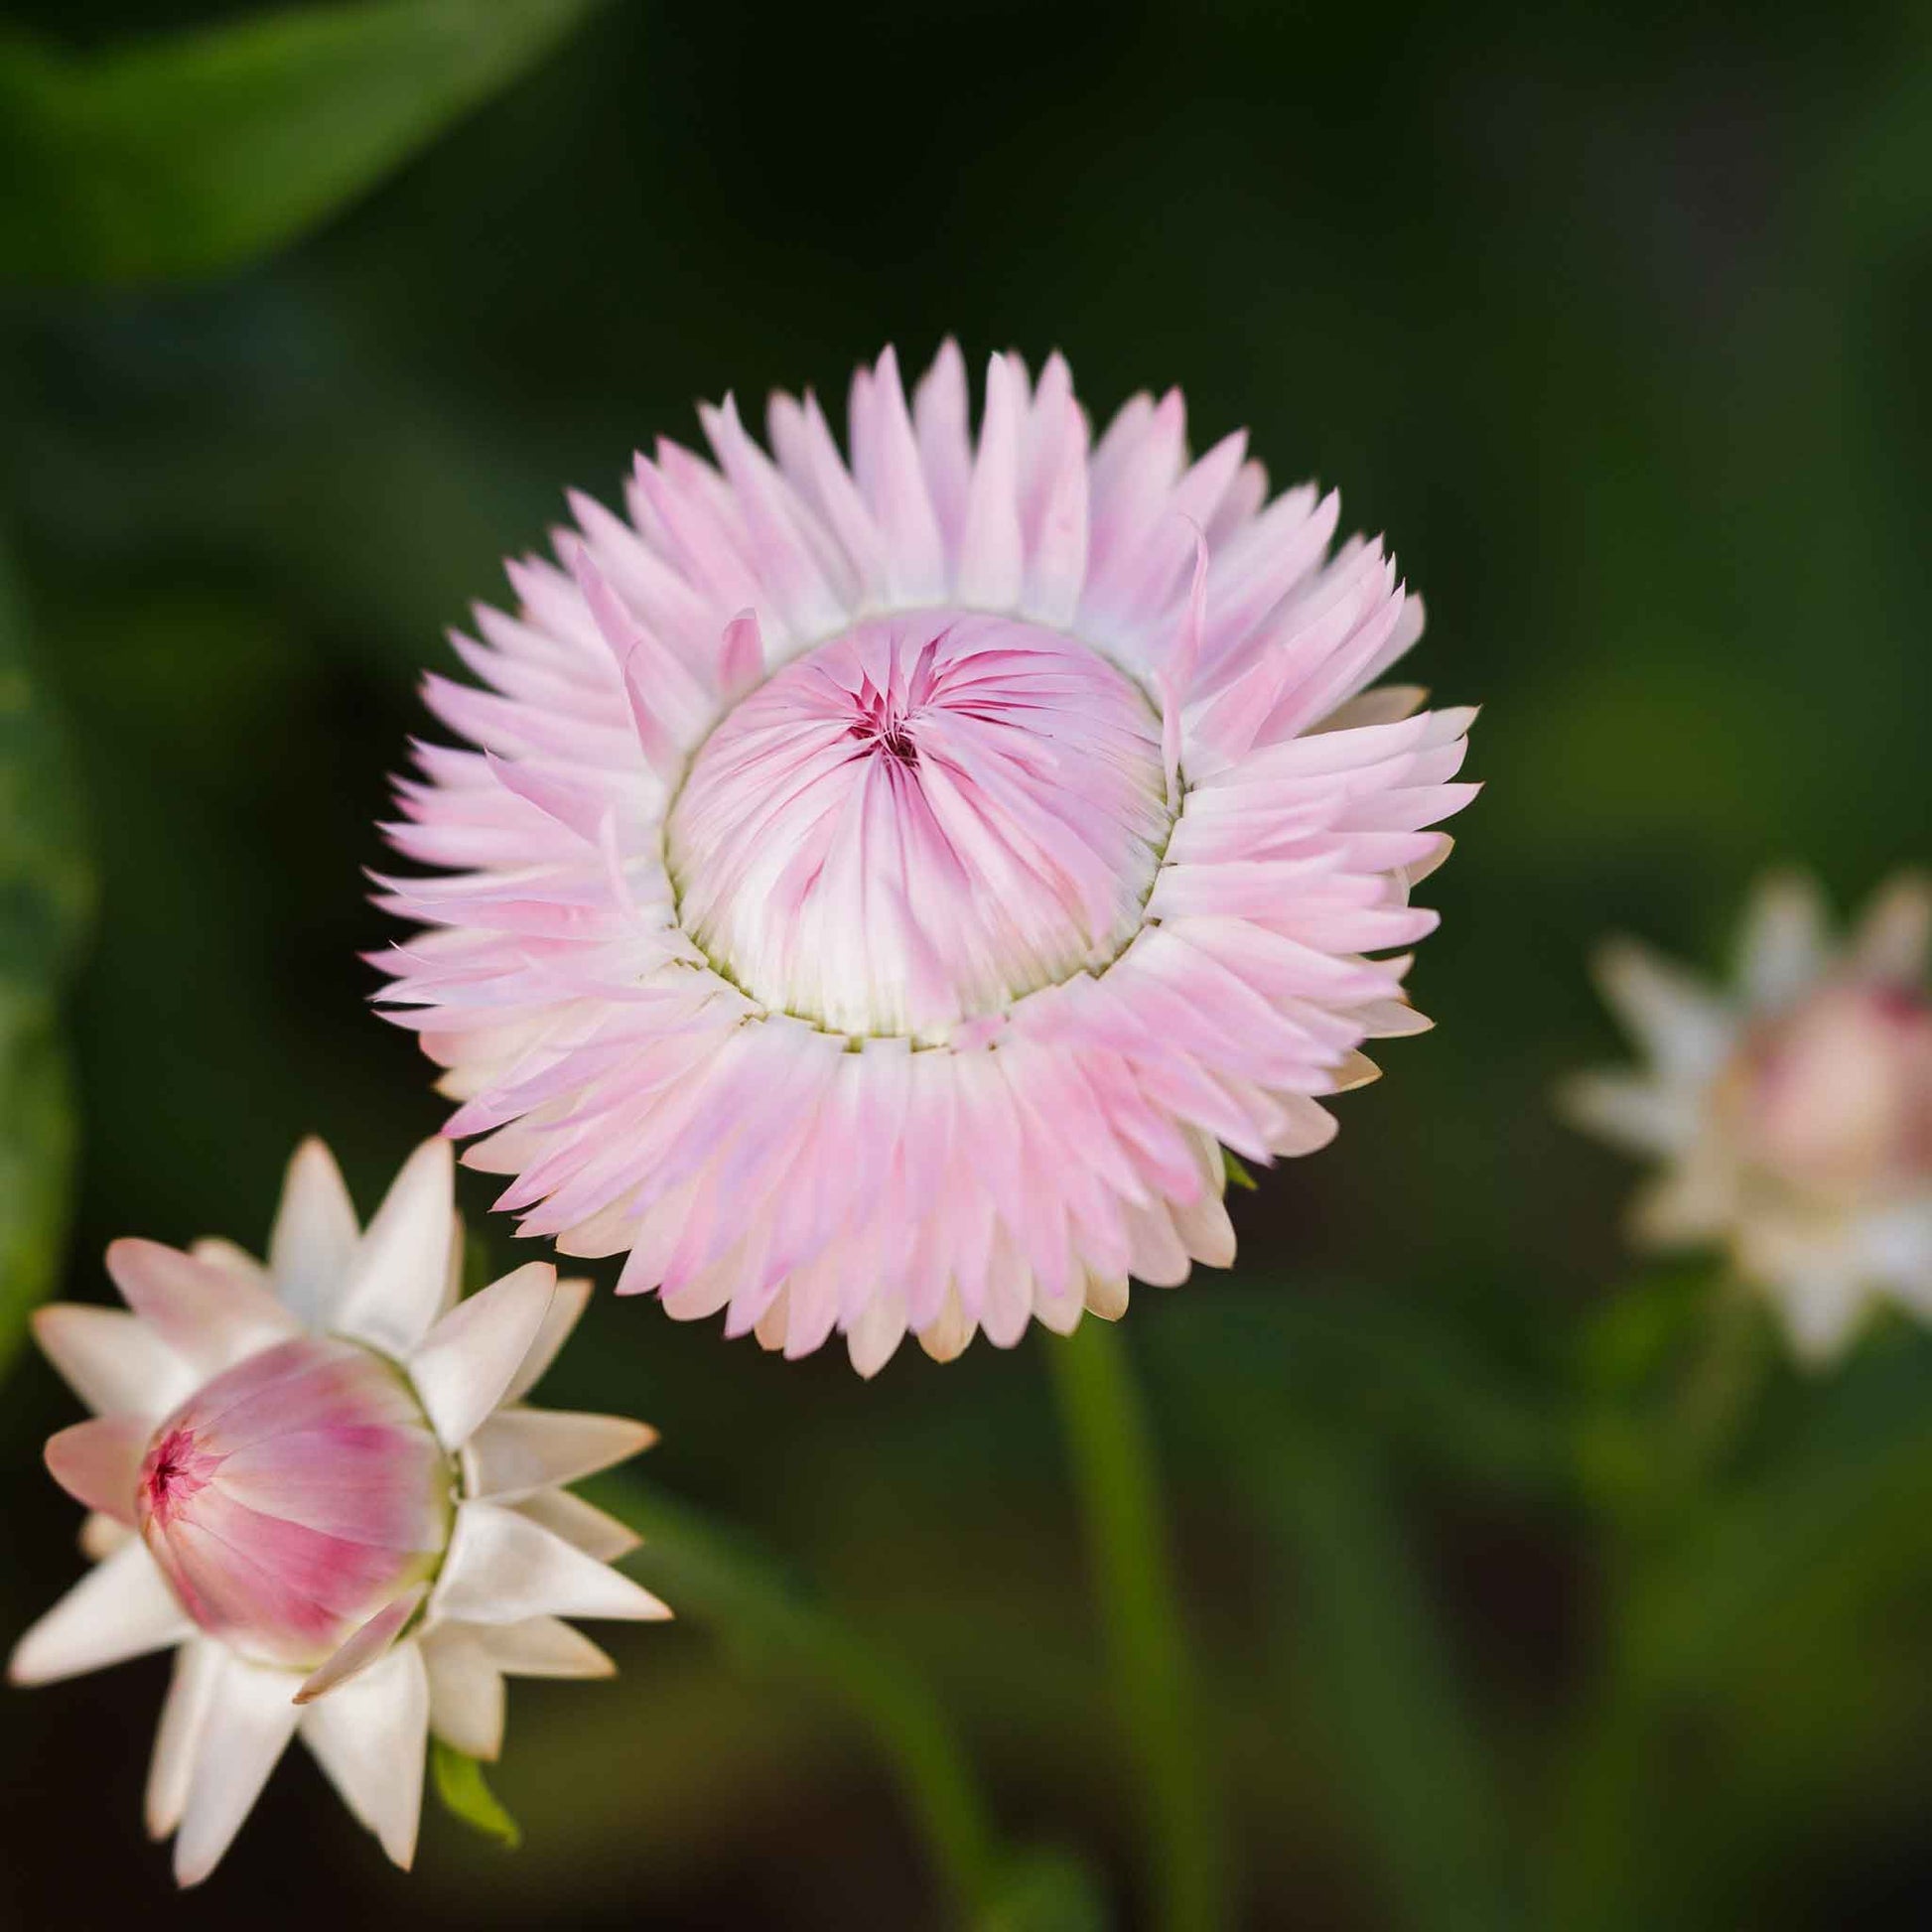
[[876, 885]]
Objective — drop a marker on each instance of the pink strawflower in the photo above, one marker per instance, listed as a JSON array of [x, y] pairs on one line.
[[883, 889], [1793, 1115], [318, 1482]]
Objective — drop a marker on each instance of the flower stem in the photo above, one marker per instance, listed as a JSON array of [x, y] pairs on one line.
[[720, 1577], [1112, 1454]]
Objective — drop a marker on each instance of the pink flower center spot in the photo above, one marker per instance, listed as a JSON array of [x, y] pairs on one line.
[[922, 820], [173, 1472]]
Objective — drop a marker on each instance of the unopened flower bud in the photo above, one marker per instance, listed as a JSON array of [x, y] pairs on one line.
[[291, 1498]]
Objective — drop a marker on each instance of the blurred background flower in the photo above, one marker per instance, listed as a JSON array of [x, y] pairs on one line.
[[1520, 1592], [1793, 1119]]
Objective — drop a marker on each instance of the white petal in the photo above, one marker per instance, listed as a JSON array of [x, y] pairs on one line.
[[466, 1361], [1685, 1031], [315, 1236], [120, 1608], [771, 1324], [1107, 1299], [1205, 1230], [944, 1339], [208, 1313], [566, 1310], [362, 1647], [465, 1692], [248, 1723], [395, 1282], [101, 1536], [1782, 948], [874, 1338], [1689, 1201], [1894, 936], [219, 1252], [1418, 870], [521, 1450], [1386, 704], [542, 1646], [1822, 1309], [452, 1271], [1894, 1246], [1640, 1115], [371, 1737], [591, 1530], [1353, 1072], [178, 1743], [113, 1361], [1392, 1020], [502, 1567]]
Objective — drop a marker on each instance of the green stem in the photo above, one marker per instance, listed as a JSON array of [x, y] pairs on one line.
[[1112, 1454], [1720, 1385], [710, 1574]]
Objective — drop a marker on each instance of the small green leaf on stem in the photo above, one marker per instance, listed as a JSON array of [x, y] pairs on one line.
[[465, 1795]]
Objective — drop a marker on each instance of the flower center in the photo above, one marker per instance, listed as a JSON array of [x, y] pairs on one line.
[[920, 820], [1835, 1098], [175, 1472], [293, 1496]]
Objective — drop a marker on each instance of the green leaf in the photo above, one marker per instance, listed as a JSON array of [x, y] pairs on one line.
[[1757, 1616], [45, 886], [1295, 1397], [37, 1149], [1238, 1175], [46, 893], [195, 151], [1840, 1514], [1046, 1891], [459, 1783], [1411, 1761]]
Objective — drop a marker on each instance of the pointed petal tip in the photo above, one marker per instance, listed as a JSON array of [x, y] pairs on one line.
[[469, 1358], [98, 1462], [1354, 1072], [363, 1646]]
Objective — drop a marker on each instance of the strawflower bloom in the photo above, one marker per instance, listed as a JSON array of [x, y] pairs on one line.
[[317, 1480], [884, 884], [1792, 1116]]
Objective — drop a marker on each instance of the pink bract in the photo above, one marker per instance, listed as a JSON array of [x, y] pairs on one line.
[[883, 886], [292, 1497]]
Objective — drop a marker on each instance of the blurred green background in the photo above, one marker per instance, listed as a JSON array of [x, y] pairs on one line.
[[1514, 1601]]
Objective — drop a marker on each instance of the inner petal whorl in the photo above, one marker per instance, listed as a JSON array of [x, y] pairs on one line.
[[920, 820]]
